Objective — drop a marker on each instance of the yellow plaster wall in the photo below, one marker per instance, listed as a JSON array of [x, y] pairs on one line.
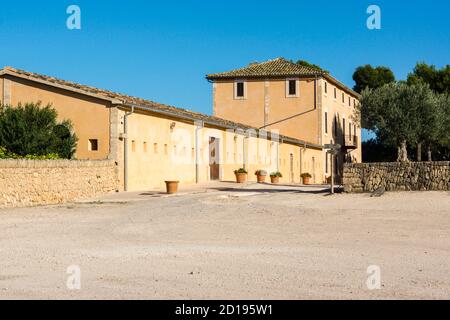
[[89, 116], [336, 107], [270, 95]]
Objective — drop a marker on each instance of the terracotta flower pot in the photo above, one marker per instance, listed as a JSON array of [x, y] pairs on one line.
[[241, 177], [260, 178], [274, 179], [172, 186], [306, 180]]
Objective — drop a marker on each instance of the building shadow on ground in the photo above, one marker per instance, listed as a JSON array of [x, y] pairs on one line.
[[325, 190]]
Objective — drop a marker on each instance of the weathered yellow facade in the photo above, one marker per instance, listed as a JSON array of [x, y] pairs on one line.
[[90, 116], [163, 143], [307, 113]]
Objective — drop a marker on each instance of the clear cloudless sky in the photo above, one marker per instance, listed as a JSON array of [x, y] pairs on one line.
[[162, 50]]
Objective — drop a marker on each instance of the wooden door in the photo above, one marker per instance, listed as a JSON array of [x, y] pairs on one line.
[[214, 166]]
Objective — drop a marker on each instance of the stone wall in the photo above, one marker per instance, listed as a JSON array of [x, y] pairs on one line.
[[37, 182], [396, 176]]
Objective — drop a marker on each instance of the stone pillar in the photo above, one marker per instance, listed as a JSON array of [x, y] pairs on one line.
[[115, 142]]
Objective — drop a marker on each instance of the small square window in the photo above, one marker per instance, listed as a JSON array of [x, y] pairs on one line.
[[93, 145], [292, 87], [240, 90]]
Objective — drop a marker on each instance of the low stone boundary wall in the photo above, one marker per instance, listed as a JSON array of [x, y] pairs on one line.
[[43, 182], [397, 176]]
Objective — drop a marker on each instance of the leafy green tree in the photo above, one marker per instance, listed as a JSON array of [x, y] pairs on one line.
[[33, 130], [391, 111], [444, 134], [437, 79], [372, 78], [430, 116], [310, 65]]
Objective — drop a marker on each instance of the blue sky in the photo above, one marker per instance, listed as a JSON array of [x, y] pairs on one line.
[[161, 50]]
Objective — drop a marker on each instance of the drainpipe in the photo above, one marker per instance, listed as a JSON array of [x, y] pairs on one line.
[[198, 127], [278, 155], [125, 153], [244, 153]]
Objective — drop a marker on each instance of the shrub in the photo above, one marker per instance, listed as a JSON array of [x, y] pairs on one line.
[[240, 170], [32, 131], [5, 154], [276, 174], [261, 172], [306, 175]]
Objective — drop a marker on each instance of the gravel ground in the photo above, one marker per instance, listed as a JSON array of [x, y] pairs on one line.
[[256, 242]]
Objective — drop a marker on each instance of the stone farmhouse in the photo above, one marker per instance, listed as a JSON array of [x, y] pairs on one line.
[[274, 116]]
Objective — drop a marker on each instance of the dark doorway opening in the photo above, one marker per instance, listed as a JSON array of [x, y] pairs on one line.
[[214, 158]]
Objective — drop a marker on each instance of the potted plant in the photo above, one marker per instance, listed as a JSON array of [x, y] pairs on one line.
[[275, 177], [172, 186], [241, 175], [306, 176], [261, 175]]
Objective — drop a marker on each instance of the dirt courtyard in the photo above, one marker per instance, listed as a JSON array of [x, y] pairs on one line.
[[230, 242]]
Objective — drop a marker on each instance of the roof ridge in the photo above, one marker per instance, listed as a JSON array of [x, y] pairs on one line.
[[130, 100]]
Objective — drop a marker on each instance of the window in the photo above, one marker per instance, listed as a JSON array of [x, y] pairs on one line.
[[326, 162], [349, 101], [335, 93], [343, 97], [350, 130], [326, 87], [240, 90], [335, 125], [93, 145], [326, 122], [292, 88], [343, 127]]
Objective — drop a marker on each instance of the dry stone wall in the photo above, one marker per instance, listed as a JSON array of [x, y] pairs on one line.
[[397, 176], [37, 182]]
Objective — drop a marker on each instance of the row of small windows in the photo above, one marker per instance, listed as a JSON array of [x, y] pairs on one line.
[[343, 95], [292, 90]]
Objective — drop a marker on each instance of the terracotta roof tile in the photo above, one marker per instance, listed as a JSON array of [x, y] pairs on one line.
[[147, 104], [279, 67]]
